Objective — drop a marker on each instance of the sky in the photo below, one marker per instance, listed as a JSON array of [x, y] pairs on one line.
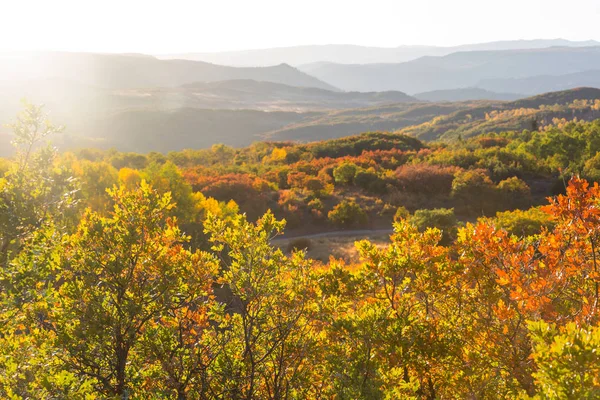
[[176, 26]]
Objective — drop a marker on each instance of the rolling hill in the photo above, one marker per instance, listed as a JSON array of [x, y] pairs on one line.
[[152, 128], [532, 113], [275, 96]]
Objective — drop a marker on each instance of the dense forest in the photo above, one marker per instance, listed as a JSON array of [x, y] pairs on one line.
[[137, 276]]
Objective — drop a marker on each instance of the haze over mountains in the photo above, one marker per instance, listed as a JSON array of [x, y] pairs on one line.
[[466, 94], [459, 70], [351, 54], [139, 102], [126, 71]]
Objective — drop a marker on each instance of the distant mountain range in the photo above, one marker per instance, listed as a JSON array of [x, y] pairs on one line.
[[127, 71], [141, 103], [463, 69], [351, 54]]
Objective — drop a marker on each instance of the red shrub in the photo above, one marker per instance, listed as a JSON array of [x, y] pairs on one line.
[[425, 179]]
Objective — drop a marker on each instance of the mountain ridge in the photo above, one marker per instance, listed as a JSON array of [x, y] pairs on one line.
[[356, 54], [456, 70], [135, 71]]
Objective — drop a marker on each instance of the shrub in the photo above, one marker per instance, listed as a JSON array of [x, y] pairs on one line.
[[591, 169], [425, 179], [491, 141], [567, 360], [475, 192], [252, 194], [347, 213], [514, 193], [130, 160], [314, 185], [523, 223], [441, 218], [369, 181], [4, 166], [344, 173], [401, 213]]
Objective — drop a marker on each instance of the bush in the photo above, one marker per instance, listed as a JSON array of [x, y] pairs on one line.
[[4, 166], [299, 245], [591, 169], [567, 360], [347, 213], [441, 218], [523, 223], [475, 192], [369, 181], [401, 213], [316, 208], [514, 193], [425, 179], [344, 173], [486, 142]]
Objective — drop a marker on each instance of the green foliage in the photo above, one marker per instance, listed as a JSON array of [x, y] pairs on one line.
[[591, 169], [118, 275], [441, 218], [401, 213], [268, 354], [33, 190], [568, 360], [476, 192], [167, 178], [513, 193], [523, 223], [369, 181], [348, 213], [111, 302], [356, 145], [344, 173]]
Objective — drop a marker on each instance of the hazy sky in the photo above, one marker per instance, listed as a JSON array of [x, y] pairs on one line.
[[171, 26]]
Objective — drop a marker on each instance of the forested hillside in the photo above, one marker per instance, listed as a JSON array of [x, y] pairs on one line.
[[171, 120], [531, 113], [141, 276]]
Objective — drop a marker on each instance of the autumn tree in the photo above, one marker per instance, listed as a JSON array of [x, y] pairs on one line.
[[36, 209], [121, 275], [32, 190], [272, 342], [347, 213]]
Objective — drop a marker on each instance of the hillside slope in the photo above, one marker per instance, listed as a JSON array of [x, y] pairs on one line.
[[531, 113], [152, 128]]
